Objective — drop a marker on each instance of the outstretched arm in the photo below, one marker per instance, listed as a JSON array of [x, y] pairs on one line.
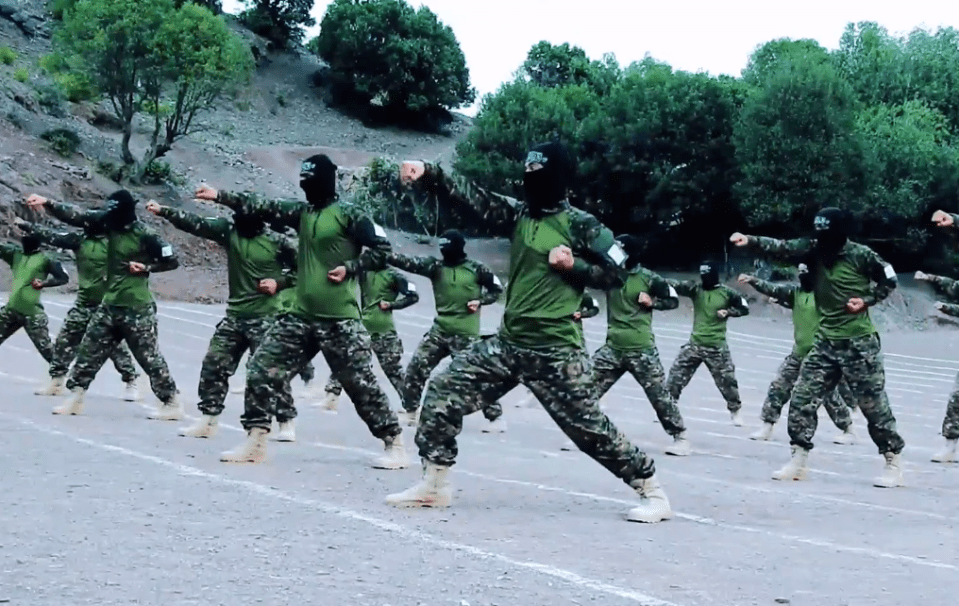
[[421, 266], [792, 251], [67, 213], [943, 285], [370, 236], [457, 191], [685, 288], [948, 308], [8, 252], [216, 229], [67, 240], [782, 294], [280, 212]]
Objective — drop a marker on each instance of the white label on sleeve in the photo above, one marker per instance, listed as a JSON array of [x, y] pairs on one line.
[[616, 254], [496, 281], [673, 293], [411, 287], [166, 251], [743, 299], [379, 231], [890, 272]]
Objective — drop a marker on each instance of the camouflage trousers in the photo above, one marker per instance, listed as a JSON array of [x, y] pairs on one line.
[[435, 346], [781, 389], [610, 364], [559, 377], [36, 326], [859, 362], [389, 352], [111, 325], [233, 337], [68, 343], [720, 364], [292, 342], [950, 424]]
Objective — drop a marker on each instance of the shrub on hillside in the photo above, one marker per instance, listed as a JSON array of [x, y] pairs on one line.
[[390, 55], [7, 55], [280, 21], [64, 141]]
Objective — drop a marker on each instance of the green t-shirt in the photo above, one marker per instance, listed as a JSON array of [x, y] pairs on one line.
[[324, 246], [629, 324], [24, 298], [139, 244], [540, 303]]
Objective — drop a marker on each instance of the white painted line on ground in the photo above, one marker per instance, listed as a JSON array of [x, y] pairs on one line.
[[390, 527]]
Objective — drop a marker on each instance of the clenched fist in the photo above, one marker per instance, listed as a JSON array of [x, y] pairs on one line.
[[942, 218], [561, 258], [207, 193], [739, 239], [411, 171], [154, 207]]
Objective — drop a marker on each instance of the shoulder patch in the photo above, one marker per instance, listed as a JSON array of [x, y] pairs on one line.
[[411, 287], [616, 253], [379, 231], [889, 271], [496, 281], [672, 291], [166, 251]]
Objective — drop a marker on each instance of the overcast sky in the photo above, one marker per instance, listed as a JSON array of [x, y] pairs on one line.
[[703, 35]]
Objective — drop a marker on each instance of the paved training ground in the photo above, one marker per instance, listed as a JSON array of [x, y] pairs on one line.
[[111, 508]]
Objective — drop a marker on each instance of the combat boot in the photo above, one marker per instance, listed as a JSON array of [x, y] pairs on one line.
[[848, 436], [495, 426], [653, 505], [763, 433], [131, 391], [680, 446], [736, 418], [395, 456], [433, 490], [55, 388], [252, 450], [330, 402], [892, 472], [286, 432], [948, 455], [168, 411], [796, 468], [74, 403], [204, 428], [407, 418]]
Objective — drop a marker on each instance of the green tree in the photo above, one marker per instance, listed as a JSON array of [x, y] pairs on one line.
[[152, 58], [281, 21], [550, 66], [387, 53], [519, 115], [767, 57], [797, 146], [913, 167]]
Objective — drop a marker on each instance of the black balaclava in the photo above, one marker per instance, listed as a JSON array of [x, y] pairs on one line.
[[833, 228], [248, 225], [453, 247], [709, 274], [121, 210], [318, 180], [546, 187], [805, 278], [30, 243], [633, 247]]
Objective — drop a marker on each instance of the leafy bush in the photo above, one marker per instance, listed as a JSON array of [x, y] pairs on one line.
[[7, 55], [280, 21], [389, 54], [159, 172], [64, 141], [21, 75]]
